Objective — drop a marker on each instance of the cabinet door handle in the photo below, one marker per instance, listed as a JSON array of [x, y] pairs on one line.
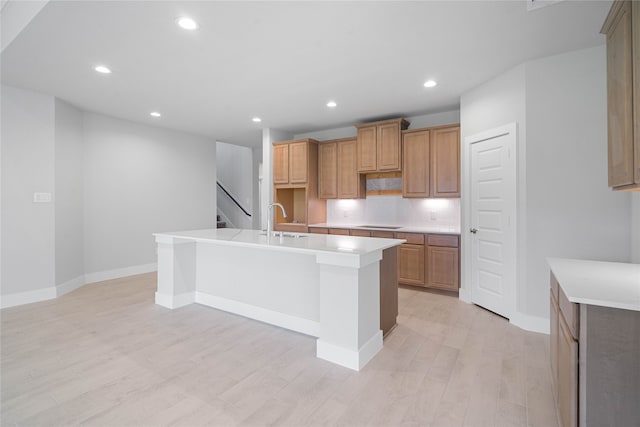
[[473, 230]]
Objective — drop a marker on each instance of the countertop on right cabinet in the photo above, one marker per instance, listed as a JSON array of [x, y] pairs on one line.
[[605, 284]]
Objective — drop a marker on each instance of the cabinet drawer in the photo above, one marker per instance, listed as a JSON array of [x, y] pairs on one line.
[[554, 288], [340, 231], [442, 240], [382, 234], [570, 312], [411, 238], [361, 233], [318, 230]]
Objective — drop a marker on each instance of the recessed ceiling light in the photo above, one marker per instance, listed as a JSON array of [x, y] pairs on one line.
[[331, 104], [257, 119], [155, 114], [102, 69], [187, 23], [430, 83]]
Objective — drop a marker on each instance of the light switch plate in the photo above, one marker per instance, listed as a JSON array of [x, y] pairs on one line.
[[41, 197]]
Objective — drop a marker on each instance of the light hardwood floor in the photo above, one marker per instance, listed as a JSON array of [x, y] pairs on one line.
[[106, 355]]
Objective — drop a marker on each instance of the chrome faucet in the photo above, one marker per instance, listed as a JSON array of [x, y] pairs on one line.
[[271, 220]]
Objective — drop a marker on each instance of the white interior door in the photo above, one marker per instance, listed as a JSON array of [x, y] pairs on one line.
[[492, 221]]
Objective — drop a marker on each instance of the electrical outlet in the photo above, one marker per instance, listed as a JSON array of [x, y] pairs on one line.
[[345, 214], [432, 215]]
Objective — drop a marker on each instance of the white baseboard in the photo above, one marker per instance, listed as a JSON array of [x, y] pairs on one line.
[[175, 301], [464, 295], [28, 297], [120, 272], [69, 286], [352, 359], [530, 323], [298, 324], [44, 294]]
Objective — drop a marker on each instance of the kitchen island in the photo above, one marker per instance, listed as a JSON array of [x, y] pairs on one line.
[[321, 285]]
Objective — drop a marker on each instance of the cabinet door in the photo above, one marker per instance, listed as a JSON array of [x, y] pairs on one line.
[[620, 97], [415, 164], [567, 375], [339, 231], [281, 164], [443, 268], [298, 159], [553, 341], [411, 264], [328, 170], [366, 149], [389, 153], [445, 162], [350, 184]]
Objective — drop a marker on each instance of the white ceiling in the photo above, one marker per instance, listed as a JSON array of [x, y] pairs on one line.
[[283, 61]]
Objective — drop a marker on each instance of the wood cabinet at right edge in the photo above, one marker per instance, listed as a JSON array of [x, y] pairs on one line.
[[622, 28], [431, 162]]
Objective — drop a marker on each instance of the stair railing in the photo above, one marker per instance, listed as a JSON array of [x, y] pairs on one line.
[[233, 199]]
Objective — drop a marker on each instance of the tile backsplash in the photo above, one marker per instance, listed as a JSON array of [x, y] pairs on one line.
[[394, 210]]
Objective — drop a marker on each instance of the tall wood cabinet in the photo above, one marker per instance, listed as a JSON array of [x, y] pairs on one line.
[[431, 162], [295, 179], [379, 146], [416, 173], [445, 162], [622, 28], [338, 174]]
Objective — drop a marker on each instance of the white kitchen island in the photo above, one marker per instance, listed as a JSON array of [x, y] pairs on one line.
[[325, 286]]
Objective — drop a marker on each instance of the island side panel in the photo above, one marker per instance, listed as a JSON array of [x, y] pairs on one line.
[[176, 272], [350, 332], [610, 356], [276, 287]]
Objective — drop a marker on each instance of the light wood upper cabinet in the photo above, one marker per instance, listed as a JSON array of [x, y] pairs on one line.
[[281, 164], [338, 174], [351, 185], [445, 162], [367, 149], [291, 161], [415, 164], [378, 145], [328, 170], [298, 162], [622, 28]]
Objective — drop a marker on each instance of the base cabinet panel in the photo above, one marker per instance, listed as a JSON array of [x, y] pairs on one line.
[[442, 268]]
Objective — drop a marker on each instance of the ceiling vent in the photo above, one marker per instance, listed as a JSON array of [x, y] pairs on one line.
[[538, 4]]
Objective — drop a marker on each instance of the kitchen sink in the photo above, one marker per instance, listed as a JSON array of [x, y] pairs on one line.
[[386, 227]]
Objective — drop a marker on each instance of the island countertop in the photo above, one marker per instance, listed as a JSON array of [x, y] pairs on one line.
[[605, 284], [290, 242]]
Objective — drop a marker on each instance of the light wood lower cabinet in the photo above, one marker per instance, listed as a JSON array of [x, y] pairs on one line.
[[411, 264], [595, 354], [442, 267]]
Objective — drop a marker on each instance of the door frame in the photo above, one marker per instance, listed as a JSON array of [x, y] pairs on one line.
[[511, 130]]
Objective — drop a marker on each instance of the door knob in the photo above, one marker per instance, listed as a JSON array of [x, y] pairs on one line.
[[473, 230]]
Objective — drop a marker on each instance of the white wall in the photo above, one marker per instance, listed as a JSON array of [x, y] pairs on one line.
[[635, 228], [140, 180], [564, 206], [571, 211], [234, 170], [69, 194], [27, 166]]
